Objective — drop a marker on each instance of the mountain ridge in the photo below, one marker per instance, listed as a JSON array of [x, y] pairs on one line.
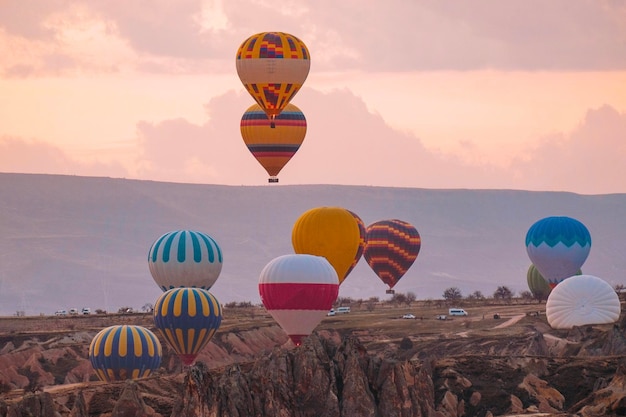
[[70, 241]]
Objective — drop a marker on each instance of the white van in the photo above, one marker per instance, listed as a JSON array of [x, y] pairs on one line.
[[343, 310], [457, 312]]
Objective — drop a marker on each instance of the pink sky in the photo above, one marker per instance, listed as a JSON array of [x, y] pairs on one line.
[[522, 94]]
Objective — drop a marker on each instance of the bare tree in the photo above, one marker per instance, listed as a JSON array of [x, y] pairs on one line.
[[476, 295], [503, 293], [410, 298], [527, 295], [399, 298], [452, 294]]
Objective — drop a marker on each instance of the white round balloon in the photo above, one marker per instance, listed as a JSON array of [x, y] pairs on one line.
[[582, 300]]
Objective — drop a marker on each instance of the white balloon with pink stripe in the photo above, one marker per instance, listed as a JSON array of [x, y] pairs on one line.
[[298, 290]]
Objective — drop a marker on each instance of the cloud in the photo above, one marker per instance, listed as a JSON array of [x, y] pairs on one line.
[[30, 156], [191, 36], [590, 159], [347, 145], [335, 151]]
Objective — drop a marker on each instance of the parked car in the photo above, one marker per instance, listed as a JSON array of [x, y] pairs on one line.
[[441, 317], [331, 312], [60, 313], [73, 311], [86, 310], [408, 316]]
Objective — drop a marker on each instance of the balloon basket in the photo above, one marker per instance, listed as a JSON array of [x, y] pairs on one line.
[[390, 291], [272, 180]]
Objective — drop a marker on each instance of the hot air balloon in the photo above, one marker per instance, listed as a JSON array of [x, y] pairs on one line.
[[582, 300], [273, 148], [185, 258], [187, 319], [273, 66], [331, 232], [391, 247], [124, 352], [298, 290], [537, 284], [558, 246], [362, 235]]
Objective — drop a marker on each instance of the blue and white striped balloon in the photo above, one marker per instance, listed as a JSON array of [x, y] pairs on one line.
[[185, 258]]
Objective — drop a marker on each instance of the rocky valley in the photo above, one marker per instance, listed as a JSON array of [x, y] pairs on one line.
[[366, 363]]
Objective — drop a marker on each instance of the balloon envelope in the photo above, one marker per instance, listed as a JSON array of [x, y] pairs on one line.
[[272, 67], [298, 290], [558, 246], [187, 319], [273, 147], [362, 235], [582, 300], [537, 284], [391, 247], [331, 232], [124, 352], [185, 258]]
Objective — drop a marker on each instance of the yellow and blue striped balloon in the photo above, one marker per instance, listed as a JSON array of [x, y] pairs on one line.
[[187, 319], [124, 352]]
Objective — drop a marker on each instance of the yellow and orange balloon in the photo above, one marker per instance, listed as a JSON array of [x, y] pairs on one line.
[[273, 147], [331, 232]]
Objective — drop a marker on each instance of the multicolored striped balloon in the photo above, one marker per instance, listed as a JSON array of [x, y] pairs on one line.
[[298, 290], [185, 258], [273, 66], [391, 247], [124, 352], [187, 319], [331, 232], [558, 246], [363, 234], [273, 147]]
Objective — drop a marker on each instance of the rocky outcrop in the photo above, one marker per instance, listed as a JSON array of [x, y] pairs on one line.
[[34, 405], [316, 379], [335, 373], [610, 400], [322, 379]]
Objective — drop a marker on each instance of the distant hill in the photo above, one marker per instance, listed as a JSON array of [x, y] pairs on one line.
[[68, 241]]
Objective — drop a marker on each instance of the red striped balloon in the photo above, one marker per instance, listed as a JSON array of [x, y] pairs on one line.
[[362, 233], [298, 290], [391, 247]]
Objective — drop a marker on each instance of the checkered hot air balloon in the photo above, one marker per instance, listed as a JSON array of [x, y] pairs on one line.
[[558, 246], [298, 290], [391, 247], [185, 258], [273, 66], [124, 352], [187, 319], [273, 147]]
